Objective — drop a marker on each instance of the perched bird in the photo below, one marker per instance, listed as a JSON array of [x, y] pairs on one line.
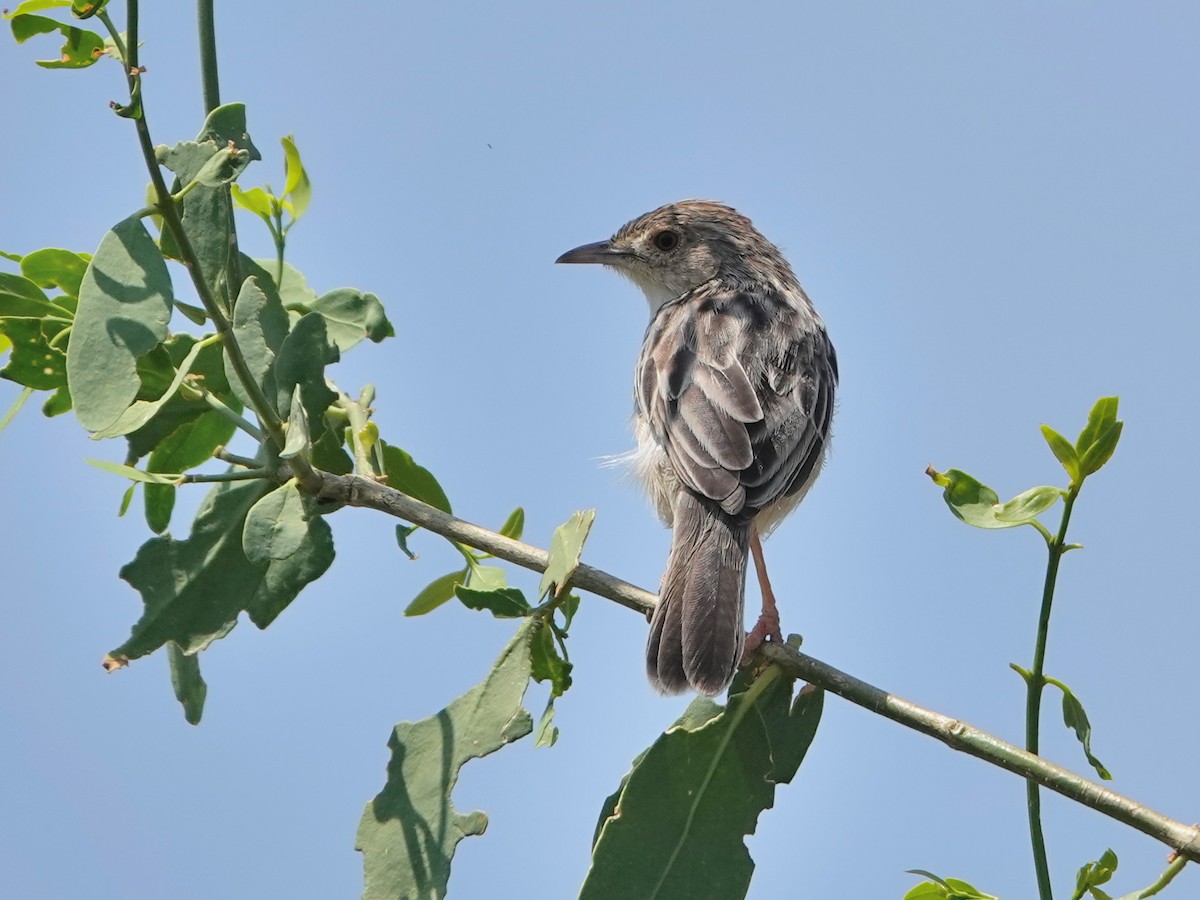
[[734, 394]]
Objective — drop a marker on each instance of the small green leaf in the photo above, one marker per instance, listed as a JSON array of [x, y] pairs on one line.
[[1101, 450], [38, 359], [226, 124], [276, 525], [1075, 718], [546, 732], [126, 499], [58, 403], [409, 478], [565, 549], [298, 442], [294, 291], [255, 199], [1101, 417], [1063, 451], [977, 504], [568, 608], [297, 187], [205, 212], [944, 889], [300, 365], [133, 474], [514, 525], [52, 267], [190, 689], [351, 315], [547, 663], [142, 411], [485, 578], [503, 603], [222, 167], [1028, 505], [22, 298], [403, 533], [435, 594], [1093, 874], [409, 832], [124, 307], [32, 6], [260, 326]]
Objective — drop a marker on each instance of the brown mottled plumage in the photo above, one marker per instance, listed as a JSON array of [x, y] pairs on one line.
[[734, 391]]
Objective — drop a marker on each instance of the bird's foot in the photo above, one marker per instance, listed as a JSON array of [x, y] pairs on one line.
[[765, 629]]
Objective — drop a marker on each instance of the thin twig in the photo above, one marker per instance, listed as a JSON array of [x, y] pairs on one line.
[[1184, 839]]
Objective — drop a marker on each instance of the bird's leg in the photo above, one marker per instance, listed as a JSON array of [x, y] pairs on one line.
[[767, 626]]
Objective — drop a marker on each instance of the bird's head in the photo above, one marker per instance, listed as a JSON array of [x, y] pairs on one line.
[[679, 247]]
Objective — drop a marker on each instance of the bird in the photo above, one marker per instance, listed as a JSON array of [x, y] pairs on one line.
[[734, 394]]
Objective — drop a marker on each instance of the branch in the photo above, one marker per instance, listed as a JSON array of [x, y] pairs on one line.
[[1184, 839]]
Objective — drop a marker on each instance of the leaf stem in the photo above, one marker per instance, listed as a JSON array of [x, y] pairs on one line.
[[235, 475], [219, 405], [1164, 879], [172, 220], [25, 394], [1035, 684]]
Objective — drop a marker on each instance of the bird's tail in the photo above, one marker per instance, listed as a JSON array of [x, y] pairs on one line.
[[696, 634]]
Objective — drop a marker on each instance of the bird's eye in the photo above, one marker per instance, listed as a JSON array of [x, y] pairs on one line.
[[666, 241]]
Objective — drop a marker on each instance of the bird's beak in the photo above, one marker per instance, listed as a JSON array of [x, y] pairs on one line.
[[601, 252]]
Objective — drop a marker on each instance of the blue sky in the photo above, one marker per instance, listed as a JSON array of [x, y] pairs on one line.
[[994, 206]]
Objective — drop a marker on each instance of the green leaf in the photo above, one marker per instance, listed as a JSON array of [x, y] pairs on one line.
[[676, 829], [188, 446], [485, 578], [403, 533], [1075, 718], [565, 549], [85, 9], [222, 167], [514, 525], [409, 832], [977, 504], [276, 525], [298, 442], [435, 594], [300, 366], [38, 358], [126, 498], [351, 315], [32, 6], [944, 889], [568, 607], [1063, 451], [227, 123], [190, 689], [133, 474], [297, 188], [58, 403], [204, 213], [503, 603], [142, 411], [547, 664], [260, 326], [51, 267], [124, 307], [255, 199], [80, 49], [1028, 505], [22, 298], [409, 478], [329, 454], [1101, 417], [1101, 450], [1093, 874], [194, 589], [294, 291]]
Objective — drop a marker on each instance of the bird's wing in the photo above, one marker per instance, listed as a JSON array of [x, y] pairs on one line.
[[737, 387]]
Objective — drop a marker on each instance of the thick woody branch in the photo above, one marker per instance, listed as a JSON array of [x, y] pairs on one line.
[[1183, 839]]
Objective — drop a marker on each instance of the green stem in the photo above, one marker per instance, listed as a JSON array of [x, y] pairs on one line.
[[208, 55], [1164, 879], [199, 393], [1035, 684]]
